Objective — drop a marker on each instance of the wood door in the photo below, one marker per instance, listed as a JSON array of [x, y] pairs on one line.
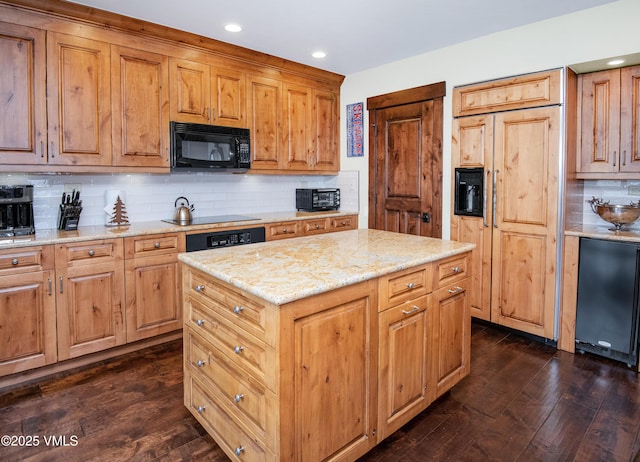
[[451, 336], [23, 122], [79, 100], [153, 296], [325, 116], [630, 119], [190, 91], [406, 180], [140, 90], [297, 137], [263, 106], [404, 364], [525, 226], [229, 98], [27, 322], [600, 122], [472, 146]]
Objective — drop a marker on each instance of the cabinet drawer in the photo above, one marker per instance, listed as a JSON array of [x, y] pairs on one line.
[[89, 252], [284, 230], [245, 351], [240, 395], [315, 226], [248, 314], [451, 270], [160, 244], [343, 223], [233, 440], [404, 285], [27, 259]]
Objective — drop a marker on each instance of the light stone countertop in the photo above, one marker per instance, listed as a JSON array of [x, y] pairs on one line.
[[290, 269], [87, 233], [603, 232]]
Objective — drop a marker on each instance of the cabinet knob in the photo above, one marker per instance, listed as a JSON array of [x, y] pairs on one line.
[[284, 230], [157, 245], [456, 269], [200, 363], [14, 262], [200, 322], [200, 288], [201, 409], [410, 285], [317, 226], [91, 253], [239, 450], [238, 397], [238, 349], [238, 309]]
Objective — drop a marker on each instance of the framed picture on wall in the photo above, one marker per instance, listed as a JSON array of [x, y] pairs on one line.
[[355, 130]]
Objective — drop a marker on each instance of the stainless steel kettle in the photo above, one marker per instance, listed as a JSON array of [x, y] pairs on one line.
[[183, 213]]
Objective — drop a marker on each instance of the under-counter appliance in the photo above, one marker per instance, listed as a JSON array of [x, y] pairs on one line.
[[200, 147], [16, 211], [217, 239], [470, 194], [316, 200], [608, 297]]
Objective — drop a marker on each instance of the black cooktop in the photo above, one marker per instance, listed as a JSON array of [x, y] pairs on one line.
[[213, 219]]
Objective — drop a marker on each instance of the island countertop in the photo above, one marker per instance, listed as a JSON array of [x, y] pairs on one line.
[[287, 270]]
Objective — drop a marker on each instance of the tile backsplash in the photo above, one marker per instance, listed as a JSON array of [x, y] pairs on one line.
[[151, 197], [614, 191]]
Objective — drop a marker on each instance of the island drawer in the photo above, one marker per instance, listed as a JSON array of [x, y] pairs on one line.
[[229, 435], [245, 351], [404, 285], [26, 259], [451, 269], [160, 244], [249, 314], [239, 394]]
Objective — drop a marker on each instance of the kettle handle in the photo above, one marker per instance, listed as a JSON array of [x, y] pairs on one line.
[[181, 197]]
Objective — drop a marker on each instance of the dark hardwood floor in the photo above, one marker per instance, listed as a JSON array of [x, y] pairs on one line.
[[524, 401]]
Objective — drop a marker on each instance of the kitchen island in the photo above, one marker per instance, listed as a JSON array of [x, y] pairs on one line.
[[319, 347]]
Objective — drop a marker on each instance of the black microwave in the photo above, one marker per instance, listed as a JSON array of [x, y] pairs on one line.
[[209, 148], [315, 200]]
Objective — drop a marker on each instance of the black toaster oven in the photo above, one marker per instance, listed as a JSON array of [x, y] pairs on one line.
[[315, 200]]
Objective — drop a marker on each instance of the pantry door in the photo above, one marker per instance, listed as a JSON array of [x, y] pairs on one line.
[[405, 161]]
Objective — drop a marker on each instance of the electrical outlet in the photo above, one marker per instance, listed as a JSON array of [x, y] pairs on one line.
[[634, 190]]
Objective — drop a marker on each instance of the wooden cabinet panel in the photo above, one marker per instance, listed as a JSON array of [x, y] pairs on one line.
[[283, 230], [140, 97], [190, 91], [27, 321], [23, 129], [79, 100], [26, 260], [297, 137], [326, 131], [472, 141], [263, 107], [343, 223], [229, 98], [630, 119]]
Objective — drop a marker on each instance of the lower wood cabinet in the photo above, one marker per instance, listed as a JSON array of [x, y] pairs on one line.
[[90, 297], [307, 227]]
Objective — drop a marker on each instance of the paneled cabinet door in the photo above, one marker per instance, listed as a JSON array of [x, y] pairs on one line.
[[404, 363], [450, 336], [263, 108], [140, 97], [326, 131], [630, 119], [153, 296], [79, 100], [297, 134], [27, 321], [23, 126]]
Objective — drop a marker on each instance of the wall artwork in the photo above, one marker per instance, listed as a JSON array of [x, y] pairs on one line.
[[355, 130]]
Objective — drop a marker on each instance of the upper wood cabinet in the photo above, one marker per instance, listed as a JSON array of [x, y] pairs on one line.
[[140, 102], [609, 106], [263, 106], [79, 100], [200, 93], [23, 123]]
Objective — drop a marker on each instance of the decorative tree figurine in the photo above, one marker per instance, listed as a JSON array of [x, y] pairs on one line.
[[119, 216]]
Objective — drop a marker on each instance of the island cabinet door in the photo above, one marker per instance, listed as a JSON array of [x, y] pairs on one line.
[[329, 369], [403, 364]]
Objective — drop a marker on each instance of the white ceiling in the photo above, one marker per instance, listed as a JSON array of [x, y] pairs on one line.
[[355, 34]]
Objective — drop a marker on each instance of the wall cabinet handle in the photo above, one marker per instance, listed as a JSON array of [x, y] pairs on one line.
[[41, 148], [50, 286], [52, 150], [61, 288], [614, 158]]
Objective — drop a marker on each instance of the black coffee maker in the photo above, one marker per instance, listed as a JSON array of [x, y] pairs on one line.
[[16, 211]]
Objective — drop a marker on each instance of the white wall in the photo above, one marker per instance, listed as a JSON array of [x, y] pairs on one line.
[[596, 33]]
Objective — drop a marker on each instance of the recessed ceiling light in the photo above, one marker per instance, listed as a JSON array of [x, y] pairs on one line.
[[232, 28], [318, 54], [615, 62]]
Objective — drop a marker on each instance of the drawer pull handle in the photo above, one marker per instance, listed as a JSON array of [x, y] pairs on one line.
[[239, 450], [410, 285], [238, 349], [200, 322], [201, 409], [238, 397], [200, 288], [200, 363], [50, 286], [456, 290], [412, 310], [456, 269], [91, 253], [238, 309], [157, 245], [14, 262]]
